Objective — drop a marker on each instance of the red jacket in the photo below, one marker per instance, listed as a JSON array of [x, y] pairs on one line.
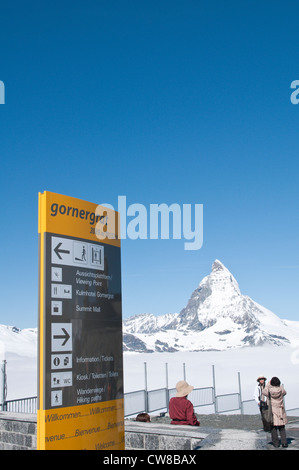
[[181, 411]]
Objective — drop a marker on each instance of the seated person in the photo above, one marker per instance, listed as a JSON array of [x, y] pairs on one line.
[[181, 410], [143, 417]]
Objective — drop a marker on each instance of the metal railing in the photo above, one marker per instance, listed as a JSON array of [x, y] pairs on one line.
[[157, 400], [150, 401], [228, 402], [21, 405], [142, 401], [135, 402]]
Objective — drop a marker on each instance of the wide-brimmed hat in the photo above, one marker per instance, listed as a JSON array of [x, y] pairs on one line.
[[261, 377], [183, 388]]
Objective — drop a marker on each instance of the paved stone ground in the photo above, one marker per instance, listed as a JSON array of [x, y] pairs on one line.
[[240, 432]]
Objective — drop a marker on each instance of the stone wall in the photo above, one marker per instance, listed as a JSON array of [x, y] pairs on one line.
[[156, 436], [17, 431]]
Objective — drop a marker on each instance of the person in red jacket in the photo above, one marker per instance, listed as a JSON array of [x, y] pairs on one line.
[[181, 410]]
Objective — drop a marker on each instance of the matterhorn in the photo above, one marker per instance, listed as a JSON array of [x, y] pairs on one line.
[[217, 317]]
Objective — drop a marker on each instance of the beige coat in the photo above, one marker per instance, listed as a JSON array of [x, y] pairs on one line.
[[278, 409]]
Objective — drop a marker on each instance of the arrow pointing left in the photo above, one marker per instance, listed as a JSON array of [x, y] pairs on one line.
[[58, 250]]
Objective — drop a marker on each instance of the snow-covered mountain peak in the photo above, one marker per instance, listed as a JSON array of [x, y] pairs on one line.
[[217, 316], [221, 279], [218, 266], [212, 299]]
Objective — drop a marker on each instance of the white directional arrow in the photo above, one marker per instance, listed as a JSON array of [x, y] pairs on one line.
[[62, 251]]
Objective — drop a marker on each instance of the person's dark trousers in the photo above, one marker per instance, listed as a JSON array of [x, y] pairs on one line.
[[274, 435], [265, 424]]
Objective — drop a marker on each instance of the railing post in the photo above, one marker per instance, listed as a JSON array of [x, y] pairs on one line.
[[240, 394], [4, 386], [184, 371], [167, 389], [214, 388], [145, 387]]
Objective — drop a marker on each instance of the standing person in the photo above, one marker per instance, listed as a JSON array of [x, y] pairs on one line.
[[275, 392], [261, 382], [181, 409], [260, 399]]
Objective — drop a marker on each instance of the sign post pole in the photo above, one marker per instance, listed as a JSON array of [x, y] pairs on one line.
[[80, 391]]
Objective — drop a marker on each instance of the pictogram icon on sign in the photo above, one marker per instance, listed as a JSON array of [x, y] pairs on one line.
[[61, 337], [59, 250], [61, 361]]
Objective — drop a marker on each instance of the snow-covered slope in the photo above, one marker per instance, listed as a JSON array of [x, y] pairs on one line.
[[16, 341], [216, 317], [19, 349]]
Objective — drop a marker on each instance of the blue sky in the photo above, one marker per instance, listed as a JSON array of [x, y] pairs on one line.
[[163, 102]]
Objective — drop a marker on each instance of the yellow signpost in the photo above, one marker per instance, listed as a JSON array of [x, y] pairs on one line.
[[81, 402]]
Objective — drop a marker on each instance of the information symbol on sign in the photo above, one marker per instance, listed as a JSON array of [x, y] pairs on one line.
[[56, 361], [61, 361]]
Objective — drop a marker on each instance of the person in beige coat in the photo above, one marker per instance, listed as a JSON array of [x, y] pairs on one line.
[[275, 392]]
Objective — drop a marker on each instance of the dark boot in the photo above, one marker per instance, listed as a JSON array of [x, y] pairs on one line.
[[283, 436]]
